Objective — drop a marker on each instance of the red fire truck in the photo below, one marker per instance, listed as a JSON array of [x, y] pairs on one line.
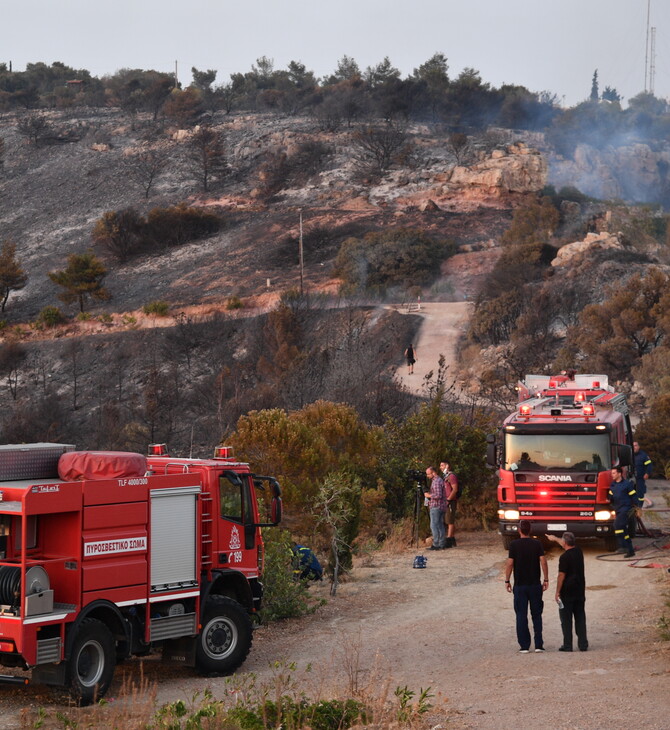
[[554, 455], [104, 555]]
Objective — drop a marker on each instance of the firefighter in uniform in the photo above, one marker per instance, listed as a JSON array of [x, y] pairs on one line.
[[643, 468], [623, 499]]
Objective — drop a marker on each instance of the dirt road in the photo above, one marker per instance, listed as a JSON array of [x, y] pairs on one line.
[[443, 324], [451, 627]]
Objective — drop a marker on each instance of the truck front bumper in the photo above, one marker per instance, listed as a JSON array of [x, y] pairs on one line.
[[578, 529]]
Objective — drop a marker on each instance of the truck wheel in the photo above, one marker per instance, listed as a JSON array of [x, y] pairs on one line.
[[91, 664], [225, 639], [507, 540]]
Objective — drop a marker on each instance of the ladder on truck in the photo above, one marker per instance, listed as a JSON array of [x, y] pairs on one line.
[[207, 524]]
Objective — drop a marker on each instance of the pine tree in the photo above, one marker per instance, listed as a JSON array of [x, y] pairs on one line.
[[81, 279], [595, 94], [12, 275]]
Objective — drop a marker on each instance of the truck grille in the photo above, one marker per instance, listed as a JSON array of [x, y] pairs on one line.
[[556, 502]]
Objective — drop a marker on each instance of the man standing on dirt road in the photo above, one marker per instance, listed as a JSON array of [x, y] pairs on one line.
[[526, 557], [571, 592], [410, 355], [452, 494], [623, 498], [437, 506]]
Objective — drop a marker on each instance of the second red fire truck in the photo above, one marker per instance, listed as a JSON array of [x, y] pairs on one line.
[[554, 454]]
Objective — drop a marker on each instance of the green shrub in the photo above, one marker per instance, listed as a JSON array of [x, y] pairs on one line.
[[158, 307], [395, 257], [84, 317], [129, 319], [51, 317], [106, 318], [234, 303], [284, 596], [291, 713]]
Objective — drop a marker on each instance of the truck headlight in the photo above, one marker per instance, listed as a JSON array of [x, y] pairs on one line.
[[511, 514], [604, 514]]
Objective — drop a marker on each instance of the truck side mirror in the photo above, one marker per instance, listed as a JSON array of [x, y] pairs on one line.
[[276, 507], [276, 510], [491, 456], [276, 503], [624, 455]]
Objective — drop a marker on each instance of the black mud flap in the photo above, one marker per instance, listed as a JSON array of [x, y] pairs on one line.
[[180, 651], [50, 674]]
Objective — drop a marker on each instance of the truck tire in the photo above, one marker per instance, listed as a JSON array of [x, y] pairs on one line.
[[507, 540], [90, 667], [225, 639]]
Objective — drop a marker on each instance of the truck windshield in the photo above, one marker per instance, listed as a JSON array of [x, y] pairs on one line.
[[557, 452]]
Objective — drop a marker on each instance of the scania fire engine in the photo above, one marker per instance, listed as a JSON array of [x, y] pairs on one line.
[[104, 555], [554, 454]]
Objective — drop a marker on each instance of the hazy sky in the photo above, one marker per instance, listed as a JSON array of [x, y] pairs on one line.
[[542, 44]]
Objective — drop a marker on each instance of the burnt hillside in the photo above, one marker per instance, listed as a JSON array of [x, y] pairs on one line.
[[52, 195], [116, 378]]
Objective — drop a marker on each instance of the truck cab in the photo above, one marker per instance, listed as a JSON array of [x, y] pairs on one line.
[[233, 499]]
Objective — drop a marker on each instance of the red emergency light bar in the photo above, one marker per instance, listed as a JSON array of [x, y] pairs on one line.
[[580, 397], [158, 450], [589, 409], [223, 452], [595, 384], [525, 410]]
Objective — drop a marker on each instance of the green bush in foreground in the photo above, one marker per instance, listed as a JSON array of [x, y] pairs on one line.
[[289, 713], [284, 596]]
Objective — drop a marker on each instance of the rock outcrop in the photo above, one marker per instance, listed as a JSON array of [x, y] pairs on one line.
[[593, 242], [519, 169]]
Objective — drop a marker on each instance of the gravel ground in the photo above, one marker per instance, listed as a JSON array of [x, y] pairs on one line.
[[451, 627]]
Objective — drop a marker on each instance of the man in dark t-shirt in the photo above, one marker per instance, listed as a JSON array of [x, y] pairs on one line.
[[526, 559], [571, 592]]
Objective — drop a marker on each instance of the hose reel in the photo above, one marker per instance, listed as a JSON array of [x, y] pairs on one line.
[[38, 593]]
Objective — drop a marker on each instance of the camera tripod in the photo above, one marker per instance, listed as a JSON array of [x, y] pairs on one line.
[[418, 503]]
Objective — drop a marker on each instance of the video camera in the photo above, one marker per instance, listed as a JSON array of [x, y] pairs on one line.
[[417, 477]]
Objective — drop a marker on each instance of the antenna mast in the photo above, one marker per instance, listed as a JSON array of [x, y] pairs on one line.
[[652, 67], [646, 47]]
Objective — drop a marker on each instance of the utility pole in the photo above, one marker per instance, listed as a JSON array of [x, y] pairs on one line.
[[300, 254], [176, 77]]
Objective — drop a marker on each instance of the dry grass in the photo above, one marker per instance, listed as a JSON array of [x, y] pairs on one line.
[[135, 707], [400, 537]]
